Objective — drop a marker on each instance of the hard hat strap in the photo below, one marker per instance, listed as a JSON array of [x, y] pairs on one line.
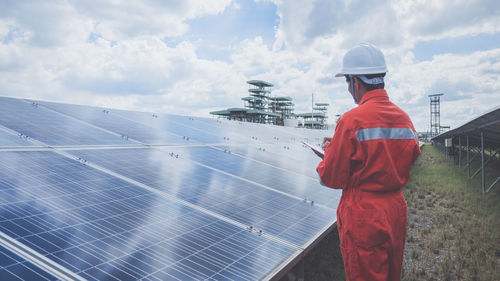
[[351, 84]]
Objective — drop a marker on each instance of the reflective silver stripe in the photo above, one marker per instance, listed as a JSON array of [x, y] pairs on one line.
[[385, 133]]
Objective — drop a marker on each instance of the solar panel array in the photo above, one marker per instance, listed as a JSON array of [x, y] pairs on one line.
[[100, 194]]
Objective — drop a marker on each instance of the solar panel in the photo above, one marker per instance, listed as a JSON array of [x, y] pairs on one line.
[[210, 199], [8, 139], [108, 120], [182, 125], [244, 201], [216, 131], [29, 119], [289, 156], [242, 131], [274, 177], [101, 227], [14, 267], [203, 129]]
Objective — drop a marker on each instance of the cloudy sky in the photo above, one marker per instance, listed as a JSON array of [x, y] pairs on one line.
[[193, 56]]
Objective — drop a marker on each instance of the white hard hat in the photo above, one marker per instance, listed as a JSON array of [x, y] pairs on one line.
[[363, 58]]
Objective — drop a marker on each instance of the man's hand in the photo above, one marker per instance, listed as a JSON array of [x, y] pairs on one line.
[[325, 143]]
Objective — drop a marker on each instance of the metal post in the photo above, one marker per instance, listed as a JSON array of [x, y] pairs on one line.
[[312, 110], [459, 150], [453, 148], [482, 160], [468, 158]]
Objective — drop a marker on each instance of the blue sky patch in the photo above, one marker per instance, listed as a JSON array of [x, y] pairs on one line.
[[425, 50], [213, 34]]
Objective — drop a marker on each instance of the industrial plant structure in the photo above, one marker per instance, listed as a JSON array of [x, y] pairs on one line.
[[317, 118], [260, 107]]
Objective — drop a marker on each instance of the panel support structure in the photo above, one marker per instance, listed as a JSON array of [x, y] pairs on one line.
[[485, 163], [482, 160], [468, 157], [481, 145], [459, 150], [491, 186]]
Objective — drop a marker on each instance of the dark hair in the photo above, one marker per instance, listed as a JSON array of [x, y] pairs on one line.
[[370, 87]]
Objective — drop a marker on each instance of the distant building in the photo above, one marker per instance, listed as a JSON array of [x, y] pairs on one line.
[[283, 106], [317, 119], [260, 107]]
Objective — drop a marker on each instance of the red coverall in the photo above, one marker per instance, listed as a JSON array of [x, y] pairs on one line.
[[369, 158]]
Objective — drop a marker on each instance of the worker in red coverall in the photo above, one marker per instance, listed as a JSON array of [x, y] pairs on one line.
[[369, 158]]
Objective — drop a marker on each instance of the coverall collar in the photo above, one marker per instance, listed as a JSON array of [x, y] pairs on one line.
[[382, 93]]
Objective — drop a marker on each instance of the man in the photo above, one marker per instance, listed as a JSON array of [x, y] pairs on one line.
[[369, 158]]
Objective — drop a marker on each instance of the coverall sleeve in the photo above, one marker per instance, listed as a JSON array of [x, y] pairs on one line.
[[335, 169]]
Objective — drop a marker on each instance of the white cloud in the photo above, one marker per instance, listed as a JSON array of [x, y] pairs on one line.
[[293, 22], [54, 23], [319, 31], [350, 22], [111, 53], [46, 54], [142, 71], [46, 23], [469, 84], [426, 19], [396, 23], [4, 28]]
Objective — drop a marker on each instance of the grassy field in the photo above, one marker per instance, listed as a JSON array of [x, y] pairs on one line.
[[454, 229], [453, 232]]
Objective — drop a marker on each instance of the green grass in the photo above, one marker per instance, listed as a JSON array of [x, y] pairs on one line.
[[460, 238]]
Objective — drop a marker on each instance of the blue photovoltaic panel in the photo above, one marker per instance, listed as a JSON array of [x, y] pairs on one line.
[[236, 132], [7, 139], [170, 123], [224, 132], [15, 268], [289, 182], [289, 156], [108, 120], [210, 131], [51, 128], [254, 205], [101, 227]]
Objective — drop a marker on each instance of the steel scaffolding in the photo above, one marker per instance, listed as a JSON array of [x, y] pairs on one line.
[[435, 128]]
